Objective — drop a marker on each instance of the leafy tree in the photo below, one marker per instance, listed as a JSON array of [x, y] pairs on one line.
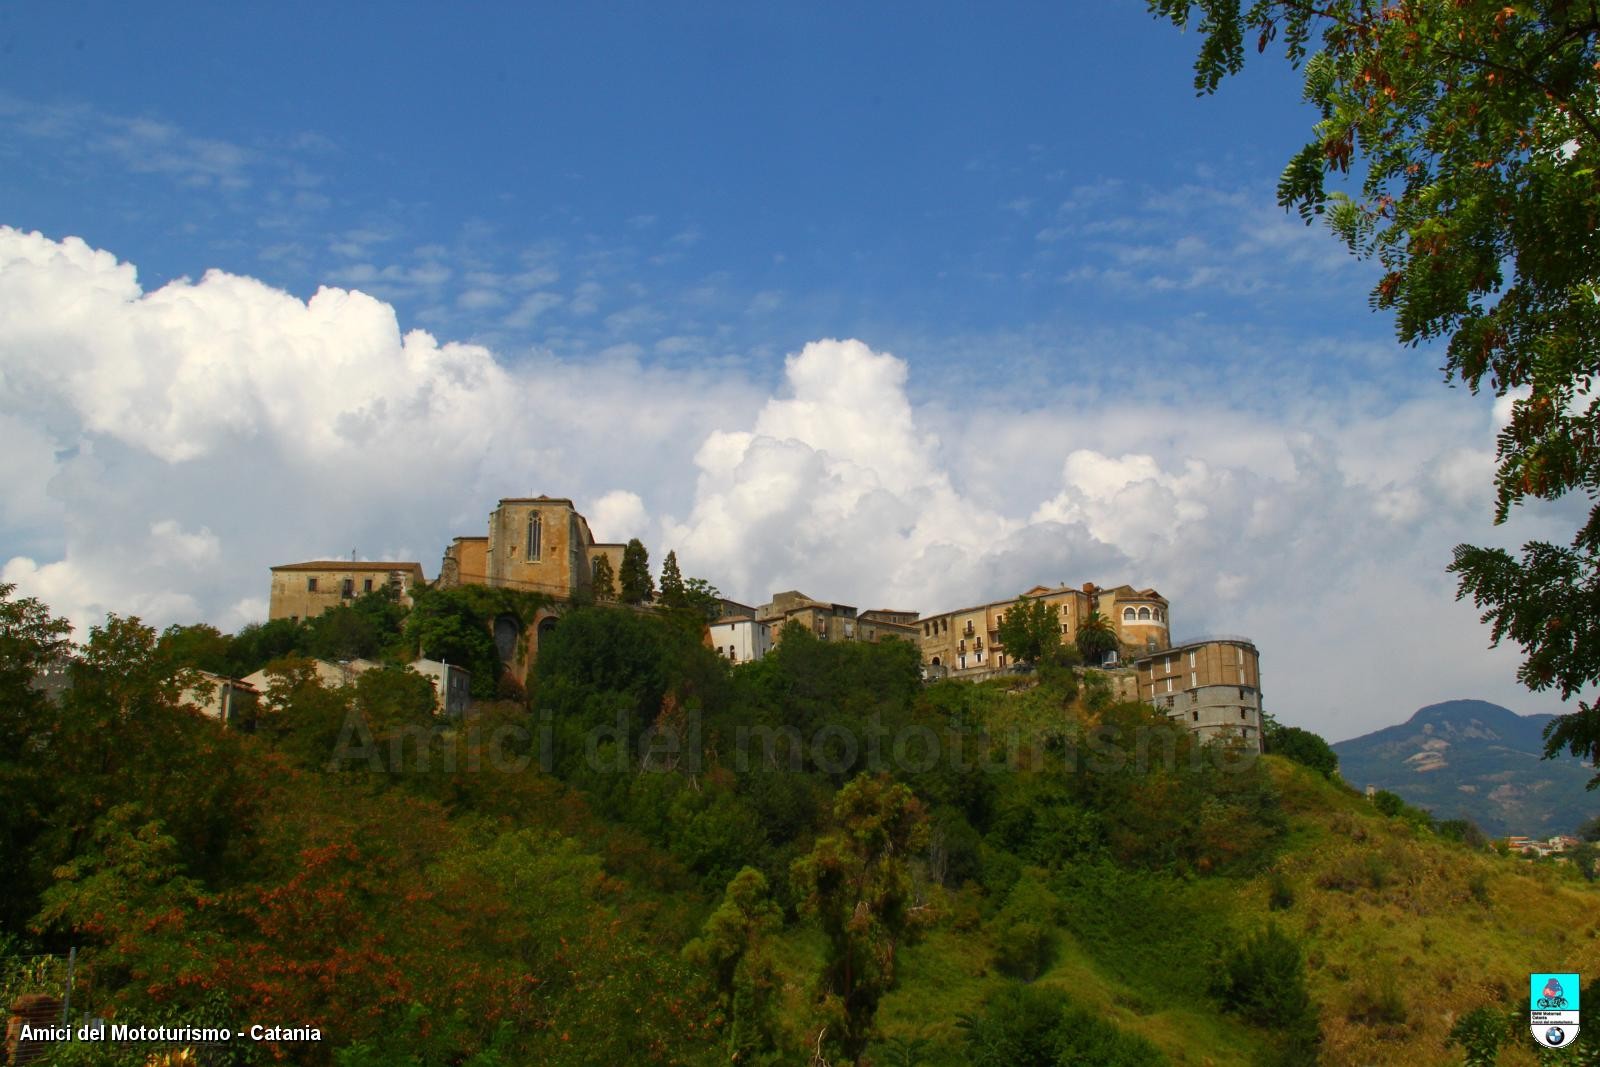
[[1301, 746], [453, 625], [637, 585], [857, 882], [1030, 632], [259, 643], [201, 646], [1095, 638], [672, 593], [1024, 931], [605, 579], [733, 947], [1479, 128], [703, 598]]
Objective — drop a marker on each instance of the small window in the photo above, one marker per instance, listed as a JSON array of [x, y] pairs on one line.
[[1242, 715], [366, 585], [1194, 679], [1169, 685], [311, 585], [1194, 716], [294, 618], [1127, 615], [1144, 613], [347, 588], [1191, 659]]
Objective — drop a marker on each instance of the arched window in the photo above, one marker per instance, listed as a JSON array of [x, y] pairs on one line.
[[1144, 613], [1127, 614], [535, 532]]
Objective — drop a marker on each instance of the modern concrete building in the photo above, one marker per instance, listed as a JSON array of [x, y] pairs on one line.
[[302, 591], [1212, 684]]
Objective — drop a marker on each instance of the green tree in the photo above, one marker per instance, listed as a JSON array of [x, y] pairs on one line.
[[1302, 746], [637, 585], [733, 947], [703, 598], [1264, 980], [1478, 125], [605, 580], [1095, 638], [857, 882], [200, 646], [1030, 632], [672, 593]]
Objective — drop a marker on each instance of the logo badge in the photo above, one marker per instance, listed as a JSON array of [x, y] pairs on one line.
[[1553, 1009]]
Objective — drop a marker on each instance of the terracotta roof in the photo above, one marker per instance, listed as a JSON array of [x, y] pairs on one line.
[[347, 565]]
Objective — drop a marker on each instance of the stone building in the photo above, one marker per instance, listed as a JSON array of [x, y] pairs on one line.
[[537, 544], [1212, 684], [306, 590], [968, 639]]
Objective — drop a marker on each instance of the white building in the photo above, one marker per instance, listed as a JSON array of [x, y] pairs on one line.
[[741, 639], [452, 686]]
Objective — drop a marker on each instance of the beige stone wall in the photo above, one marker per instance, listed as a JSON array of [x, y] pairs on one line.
[[611, 552], [466, 562], [306, 590], [973, 632], [561, 566]]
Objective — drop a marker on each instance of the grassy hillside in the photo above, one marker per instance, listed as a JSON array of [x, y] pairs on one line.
[[657, 857]]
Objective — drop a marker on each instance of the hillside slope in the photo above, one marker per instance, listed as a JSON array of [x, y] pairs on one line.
[[1470, 759]]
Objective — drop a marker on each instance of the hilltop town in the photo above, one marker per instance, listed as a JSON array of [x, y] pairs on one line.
[[543, 545]]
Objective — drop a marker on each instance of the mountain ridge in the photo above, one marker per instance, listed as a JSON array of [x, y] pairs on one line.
[[1473, 759]]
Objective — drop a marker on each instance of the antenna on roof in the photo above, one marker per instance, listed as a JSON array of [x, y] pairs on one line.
[[352, 555]]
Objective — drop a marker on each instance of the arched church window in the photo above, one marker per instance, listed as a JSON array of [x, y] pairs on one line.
[[535, 534]]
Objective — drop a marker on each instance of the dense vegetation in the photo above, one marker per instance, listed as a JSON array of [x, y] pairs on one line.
[[655, 856]]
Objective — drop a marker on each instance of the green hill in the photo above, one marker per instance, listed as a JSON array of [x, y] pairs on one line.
[[656, 857]]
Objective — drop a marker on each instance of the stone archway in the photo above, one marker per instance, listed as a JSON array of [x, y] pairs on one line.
[[506, 631]]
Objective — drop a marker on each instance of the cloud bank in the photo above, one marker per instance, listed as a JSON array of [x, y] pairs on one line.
[[165, 448]]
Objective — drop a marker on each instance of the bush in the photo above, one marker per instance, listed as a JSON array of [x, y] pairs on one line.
[[1264, 981], [1280, 894], [1027, 1026], [1025, 934]]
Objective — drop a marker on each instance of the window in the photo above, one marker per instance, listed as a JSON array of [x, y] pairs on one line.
[[1242, 715], [1194, 679], [535, 535], [1127, 614], [1194, 716], [1169, 685], [366, 585], [294, 618], [311, 585], [1169, 702], [1144, 613], [347, 588], [1191, 659], [1241, 656], [1241, 692]]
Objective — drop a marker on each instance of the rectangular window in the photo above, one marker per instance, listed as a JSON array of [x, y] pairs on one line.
[[366, 585], [1191, 659], [347, 588], [1194, 679], [1241, 656], [1242, 715], [311, 585], [1195, 716], [1169, 685]]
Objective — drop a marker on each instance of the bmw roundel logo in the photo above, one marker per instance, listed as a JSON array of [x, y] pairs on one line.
[[1555, 1036]]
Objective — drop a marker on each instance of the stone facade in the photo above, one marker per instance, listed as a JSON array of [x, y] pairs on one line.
[[306, 590], [969, 638], [539, 544], [1212, 685]]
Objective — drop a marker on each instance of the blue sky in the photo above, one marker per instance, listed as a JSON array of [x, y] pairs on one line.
[[1090, 344]]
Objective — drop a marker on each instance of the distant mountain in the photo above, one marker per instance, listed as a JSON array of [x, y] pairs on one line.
[[1469, 759]]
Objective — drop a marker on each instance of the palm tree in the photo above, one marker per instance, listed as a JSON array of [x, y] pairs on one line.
[[1095, 638]]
